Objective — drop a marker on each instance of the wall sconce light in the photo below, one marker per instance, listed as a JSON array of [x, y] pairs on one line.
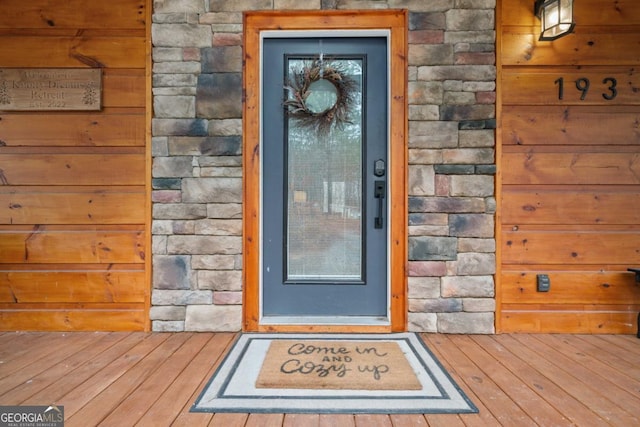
[[556, 17]]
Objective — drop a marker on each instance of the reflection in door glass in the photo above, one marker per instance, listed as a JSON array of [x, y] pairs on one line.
[[324, 228]]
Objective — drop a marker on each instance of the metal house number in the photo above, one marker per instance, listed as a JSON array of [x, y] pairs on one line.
[[583, 85]]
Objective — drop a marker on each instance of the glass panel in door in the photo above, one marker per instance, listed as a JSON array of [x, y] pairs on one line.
[[324, 183]]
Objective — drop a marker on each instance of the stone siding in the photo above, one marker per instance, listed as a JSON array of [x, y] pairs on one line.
[[197, 168]]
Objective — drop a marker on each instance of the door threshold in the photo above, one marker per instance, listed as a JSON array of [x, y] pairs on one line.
[[326, 320]]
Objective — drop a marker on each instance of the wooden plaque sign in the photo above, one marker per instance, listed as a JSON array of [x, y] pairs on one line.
[[50, 89]]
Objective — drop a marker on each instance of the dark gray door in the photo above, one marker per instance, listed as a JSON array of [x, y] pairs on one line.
[[324, 182]]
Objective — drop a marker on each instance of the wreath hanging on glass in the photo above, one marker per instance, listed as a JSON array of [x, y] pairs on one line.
[[320, 96]]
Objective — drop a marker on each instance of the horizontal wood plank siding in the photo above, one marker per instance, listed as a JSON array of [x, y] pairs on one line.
[[78, 244], [536, 166], [590, 205], [542, 86], [580, 287], [613, 14], [73, 185], [45, 14], [73, 51], [71, 204], [595, 246], [570, 170], [91, 169], [75, 286], [557, 319], [110, 128], [85, 317], [588, 46], [569, 125]]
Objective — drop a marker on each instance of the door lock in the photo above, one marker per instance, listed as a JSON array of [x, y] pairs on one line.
[[379, 168]]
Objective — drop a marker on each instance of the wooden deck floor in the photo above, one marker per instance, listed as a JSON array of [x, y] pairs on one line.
[[126, 379]]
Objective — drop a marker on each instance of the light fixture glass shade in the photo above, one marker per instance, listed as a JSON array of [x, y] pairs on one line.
[[556, 18]]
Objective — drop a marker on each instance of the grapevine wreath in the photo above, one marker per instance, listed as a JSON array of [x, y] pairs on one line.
[[299, 87]]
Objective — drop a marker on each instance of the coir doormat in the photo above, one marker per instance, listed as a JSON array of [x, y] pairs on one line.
[[319, 373], [357, 365]]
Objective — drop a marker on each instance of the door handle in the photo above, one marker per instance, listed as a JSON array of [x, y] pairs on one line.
[[379, 193]]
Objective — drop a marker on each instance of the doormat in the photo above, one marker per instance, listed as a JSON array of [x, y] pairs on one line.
[[335, 365], [337, 373]]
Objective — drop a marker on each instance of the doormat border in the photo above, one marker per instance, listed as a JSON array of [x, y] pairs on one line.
[[225, 392]]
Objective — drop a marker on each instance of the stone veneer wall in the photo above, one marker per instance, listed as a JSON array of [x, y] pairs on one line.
[[197, 168]]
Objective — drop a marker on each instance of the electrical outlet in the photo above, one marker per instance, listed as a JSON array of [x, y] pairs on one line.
[[544, 283]]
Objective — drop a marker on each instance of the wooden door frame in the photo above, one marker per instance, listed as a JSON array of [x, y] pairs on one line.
[[255, 22]]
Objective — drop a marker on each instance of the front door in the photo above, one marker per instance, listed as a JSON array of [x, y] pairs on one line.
[[324, 180]]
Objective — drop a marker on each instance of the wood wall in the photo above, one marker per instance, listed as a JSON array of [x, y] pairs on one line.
[[74, 208], [569, 170]]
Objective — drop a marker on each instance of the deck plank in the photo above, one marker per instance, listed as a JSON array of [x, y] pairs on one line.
[[493, 398], [182, 392], [538, 410], [23, 371], [572, 409], [36, 349], [76, 378], [607, 354], [373, 420], [190, 419], [306, 420], [408, 420], [154, 378], [337, 420], [228, 420], [444, 420], [107, 375], [609, 382], [562, 375], [265, 420], [484, 418], [627, 349], [136, 404], [56, 374], [18, 344], [597, 365], [122, 388]]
